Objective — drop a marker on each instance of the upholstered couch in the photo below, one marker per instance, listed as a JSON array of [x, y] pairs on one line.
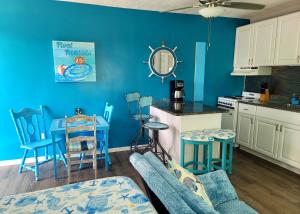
[[173, 197]]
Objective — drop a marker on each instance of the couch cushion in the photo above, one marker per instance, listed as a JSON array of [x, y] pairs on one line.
[[189, 180], [193, 201], [162, 189], [235, 207], [218, 187]]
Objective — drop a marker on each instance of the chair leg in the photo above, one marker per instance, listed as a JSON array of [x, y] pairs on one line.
[[95, 164], [36, 165], [106, 151], [196, 154], [23, 161], [61, 154], [230, 158], [46, 152], [209, 157], [69, 170], [224, 156], [182, 152]]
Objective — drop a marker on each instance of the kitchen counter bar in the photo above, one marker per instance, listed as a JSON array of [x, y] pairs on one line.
[[275, 104], [186, 108], [181, 117]]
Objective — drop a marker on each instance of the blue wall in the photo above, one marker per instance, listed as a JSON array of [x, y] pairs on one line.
[[122, 38]]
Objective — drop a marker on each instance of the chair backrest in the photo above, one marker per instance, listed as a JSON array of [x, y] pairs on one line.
[[108, 112], [145, 101], [30, 124], [132, 100], [80, 128]]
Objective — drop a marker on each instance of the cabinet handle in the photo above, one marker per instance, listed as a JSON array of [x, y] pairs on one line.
[[281, 126], [245, 109], [249, 61], [230, 114], [277, 127], [298, 58], [251, 120]]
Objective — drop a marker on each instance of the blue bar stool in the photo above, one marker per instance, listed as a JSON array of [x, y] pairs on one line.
[[154, 143], [226, 139], [197, 138]]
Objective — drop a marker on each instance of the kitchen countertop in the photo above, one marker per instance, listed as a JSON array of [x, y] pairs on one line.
[[186, 108], [276, 104]]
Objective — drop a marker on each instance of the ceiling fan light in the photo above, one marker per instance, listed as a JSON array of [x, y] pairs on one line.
[[210, 12]]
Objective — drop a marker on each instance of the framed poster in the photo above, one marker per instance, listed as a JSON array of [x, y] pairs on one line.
[[74, 61]]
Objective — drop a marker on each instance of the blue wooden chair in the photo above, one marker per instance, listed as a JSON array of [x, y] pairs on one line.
[[101, 144], [31, 129]]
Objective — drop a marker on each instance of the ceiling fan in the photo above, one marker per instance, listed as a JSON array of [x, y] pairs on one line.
[[214, 8]]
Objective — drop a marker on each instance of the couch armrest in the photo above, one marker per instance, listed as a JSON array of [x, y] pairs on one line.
[[218, 187], [166, 194]]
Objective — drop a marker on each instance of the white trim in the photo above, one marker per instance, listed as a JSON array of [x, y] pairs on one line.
[[42, 158]]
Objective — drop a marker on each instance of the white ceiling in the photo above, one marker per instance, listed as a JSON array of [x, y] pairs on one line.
[[273, 7]]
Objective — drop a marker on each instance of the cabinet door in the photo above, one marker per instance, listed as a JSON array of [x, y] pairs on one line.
[[266, 136], [243, 48], [288, 38], [289, 145], [245, 130], [264, 36]]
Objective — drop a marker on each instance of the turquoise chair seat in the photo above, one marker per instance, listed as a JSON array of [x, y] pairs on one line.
[[37, 144], [197, 135], [156, 126], [141, 116], [223, 134]]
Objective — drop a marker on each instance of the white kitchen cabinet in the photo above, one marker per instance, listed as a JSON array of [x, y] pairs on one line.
[[266, 136], [243, 48], [264, 37], [255, 44], [287, 50], [289, 144], [245, 128]]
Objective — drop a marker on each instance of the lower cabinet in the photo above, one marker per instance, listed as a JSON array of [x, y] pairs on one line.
[[245, 128], [289, 144], [279, 140], [266, 136]]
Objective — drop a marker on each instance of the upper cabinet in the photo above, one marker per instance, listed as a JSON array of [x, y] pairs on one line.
[[243, 48], [264, 37], [255, 44], [288, 40], [273, 42]]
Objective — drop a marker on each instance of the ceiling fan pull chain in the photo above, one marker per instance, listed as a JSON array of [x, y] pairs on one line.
[[209, 33]]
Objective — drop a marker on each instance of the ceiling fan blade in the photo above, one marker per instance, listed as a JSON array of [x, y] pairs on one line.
[[243, 5], [182, 8]]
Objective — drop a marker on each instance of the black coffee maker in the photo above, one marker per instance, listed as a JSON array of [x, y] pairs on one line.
[[176, 90]]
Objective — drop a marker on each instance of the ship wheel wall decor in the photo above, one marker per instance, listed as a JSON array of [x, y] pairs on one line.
[[162, 61]]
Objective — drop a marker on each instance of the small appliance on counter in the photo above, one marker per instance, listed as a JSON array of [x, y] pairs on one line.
[[264, 92], [176, 90]]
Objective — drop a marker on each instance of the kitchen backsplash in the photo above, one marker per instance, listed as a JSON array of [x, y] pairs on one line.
[[284, 81]]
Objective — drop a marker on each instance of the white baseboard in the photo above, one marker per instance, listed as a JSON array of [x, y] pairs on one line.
[[42, 158]]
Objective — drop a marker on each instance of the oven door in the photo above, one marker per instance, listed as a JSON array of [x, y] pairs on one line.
[[229, 120]]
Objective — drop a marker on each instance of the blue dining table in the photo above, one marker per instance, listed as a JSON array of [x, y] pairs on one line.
[[57, 128]]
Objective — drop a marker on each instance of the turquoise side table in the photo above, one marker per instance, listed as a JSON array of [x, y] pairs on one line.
[[197, 138], [226, 139]]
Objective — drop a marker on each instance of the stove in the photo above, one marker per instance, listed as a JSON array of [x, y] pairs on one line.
[[231, 103]]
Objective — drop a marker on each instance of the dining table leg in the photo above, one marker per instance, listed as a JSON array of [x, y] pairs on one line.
[[106, 151], [54, 155]]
